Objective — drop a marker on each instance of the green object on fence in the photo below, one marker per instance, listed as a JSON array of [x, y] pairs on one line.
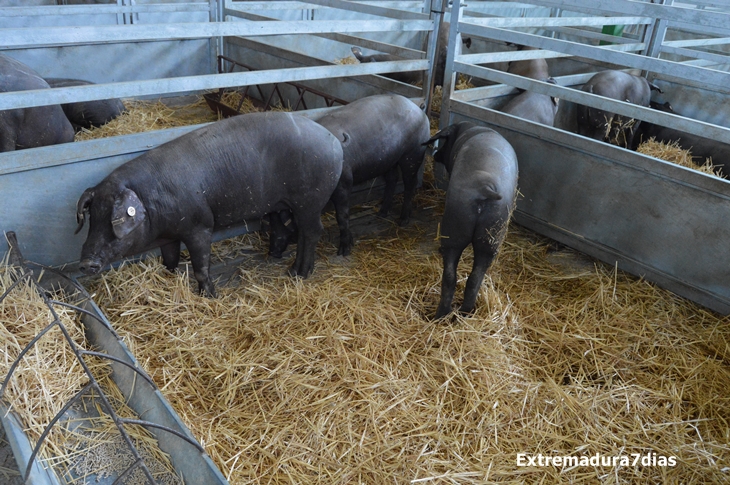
[[616, 30]]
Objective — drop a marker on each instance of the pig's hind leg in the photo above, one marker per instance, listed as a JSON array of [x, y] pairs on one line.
[[487, 239], [310, 229], [482, 260], [451, 256], [341, 200], [391, 179], [410, 166]]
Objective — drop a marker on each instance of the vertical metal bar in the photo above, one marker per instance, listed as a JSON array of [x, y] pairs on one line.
[[555, 12], [445, 116], [656, 33], [216, 44], [120, 16], [425, 9], [432, 51], [449, 74]]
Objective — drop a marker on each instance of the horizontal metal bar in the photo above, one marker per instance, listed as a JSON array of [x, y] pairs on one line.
[[53, 10], [347, 39], [680, 15], [702, 30], [699, 128], [700, 63], [707, 3], [370, 9], [484, 92], [513, 22], [70, 35], [490, 6], [695, 54], [304, 5], [42, 97], [590, 34], [719, 81], [67, 153], [508, 56], [489, 57], [396, 50], [697, 42]]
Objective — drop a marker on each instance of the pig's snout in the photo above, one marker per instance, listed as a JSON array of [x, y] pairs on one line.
[[90, 266]]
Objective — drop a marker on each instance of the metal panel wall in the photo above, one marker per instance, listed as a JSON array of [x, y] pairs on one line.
[[664, 222], [108, 62]]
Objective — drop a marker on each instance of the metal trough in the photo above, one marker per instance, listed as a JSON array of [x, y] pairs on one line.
[[187, 456]]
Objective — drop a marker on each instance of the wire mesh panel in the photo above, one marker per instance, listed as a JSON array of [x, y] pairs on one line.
[[83, 423]]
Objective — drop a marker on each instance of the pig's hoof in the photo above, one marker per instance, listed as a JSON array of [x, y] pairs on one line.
[[301, 273], [404, 222], [441, 313], [466, 311], [207, 290], [344, 250]]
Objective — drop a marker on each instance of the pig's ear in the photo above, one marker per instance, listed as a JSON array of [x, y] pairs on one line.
[[127, 214], [445, 133], [82, 208]]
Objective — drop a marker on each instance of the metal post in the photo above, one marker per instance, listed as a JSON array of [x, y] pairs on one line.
[[432, 51], [216, 44], [120, 16], [449, 74], [654, 35]]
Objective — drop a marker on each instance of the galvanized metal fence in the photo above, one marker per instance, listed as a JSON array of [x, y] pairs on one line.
[[646, 216]]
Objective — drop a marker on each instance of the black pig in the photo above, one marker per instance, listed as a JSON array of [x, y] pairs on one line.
[[604, 126], [380, 135], [29, 127], [85, 114], [482, 170], [219, 175]]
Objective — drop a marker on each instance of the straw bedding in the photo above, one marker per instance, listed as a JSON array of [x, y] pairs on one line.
[[49, 376], [672, 152], [343, 378], [141, 116]]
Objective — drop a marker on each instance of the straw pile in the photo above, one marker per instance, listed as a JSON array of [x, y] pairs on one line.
[[462, 82], [49, 376], [672, 152], [237, 101], [347, 60], [343, 378], [616, 129], [141, 116]]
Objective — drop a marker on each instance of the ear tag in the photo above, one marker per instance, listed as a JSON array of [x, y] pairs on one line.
[[127, 214]]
